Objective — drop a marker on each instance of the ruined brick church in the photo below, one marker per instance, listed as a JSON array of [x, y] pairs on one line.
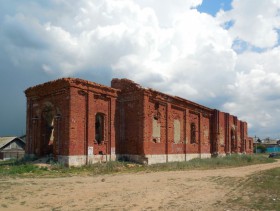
[[81, 122]]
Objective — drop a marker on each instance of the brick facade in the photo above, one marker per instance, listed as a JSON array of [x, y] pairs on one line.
[[81, 122]]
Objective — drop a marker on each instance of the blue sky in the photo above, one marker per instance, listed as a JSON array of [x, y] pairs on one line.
[[212, 7], [222, 54]]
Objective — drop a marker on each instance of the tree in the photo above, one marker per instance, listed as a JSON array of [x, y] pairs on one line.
[[260, 148]]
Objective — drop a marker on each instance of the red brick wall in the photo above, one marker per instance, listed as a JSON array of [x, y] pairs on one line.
[[228, 127], [155, 112], [177, 147], [56, 95], [77, 101], [130, 113], [206, 134], [77, 141], [130, 117], [222, 132], [166, 111], [86, 103]]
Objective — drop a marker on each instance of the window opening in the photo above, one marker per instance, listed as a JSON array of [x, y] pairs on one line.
[[99, 128], [232, 139], [193, 135], [156, 106]]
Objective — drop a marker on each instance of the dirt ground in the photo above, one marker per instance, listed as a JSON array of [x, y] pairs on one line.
[[180, 190]]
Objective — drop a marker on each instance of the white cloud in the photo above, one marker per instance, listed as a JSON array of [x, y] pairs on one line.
[[161, 44], [254, 21], [255, 92]]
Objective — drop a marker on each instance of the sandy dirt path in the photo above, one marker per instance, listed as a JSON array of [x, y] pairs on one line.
[[179, 190]]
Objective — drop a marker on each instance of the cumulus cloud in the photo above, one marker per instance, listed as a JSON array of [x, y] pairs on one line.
[[254, 95], [132, 39], [165, 45], [254, 21]]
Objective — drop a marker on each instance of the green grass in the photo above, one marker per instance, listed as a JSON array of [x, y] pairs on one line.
[[212, 163], [13, 168], [259, 192], [266, 185], [25, 168]]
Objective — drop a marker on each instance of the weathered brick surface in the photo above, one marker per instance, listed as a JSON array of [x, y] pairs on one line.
[[216, 132], [74, 104], [136, 121], [55, 101]]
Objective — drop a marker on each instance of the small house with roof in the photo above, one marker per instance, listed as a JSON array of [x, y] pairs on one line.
[[11, 147]]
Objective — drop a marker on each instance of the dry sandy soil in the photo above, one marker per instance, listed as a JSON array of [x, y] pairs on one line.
[[180, 190]]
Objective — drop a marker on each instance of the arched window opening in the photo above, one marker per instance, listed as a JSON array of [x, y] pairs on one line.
[[99, 128], [48, 131], [193, 135]]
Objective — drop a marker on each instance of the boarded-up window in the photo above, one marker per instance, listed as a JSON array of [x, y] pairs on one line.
[[177, 131], [156, 130]]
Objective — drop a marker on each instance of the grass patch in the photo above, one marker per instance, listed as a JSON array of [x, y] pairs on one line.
[[212, 163], [20, 169], [262, 191], [27, 169], [266, 185]]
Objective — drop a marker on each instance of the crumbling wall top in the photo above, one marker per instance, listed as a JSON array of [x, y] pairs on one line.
[[176, 100], [61, 83], [125, 85]]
